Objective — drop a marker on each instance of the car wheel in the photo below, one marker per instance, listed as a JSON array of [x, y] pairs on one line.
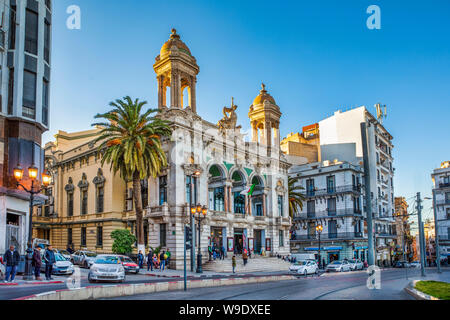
[[317, 271], [341, 270], [85, 265], [137, 272], [305, 273]]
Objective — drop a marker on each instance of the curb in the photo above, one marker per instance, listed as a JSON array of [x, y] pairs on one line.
[[31, 283], [111, 291], [416, 294]]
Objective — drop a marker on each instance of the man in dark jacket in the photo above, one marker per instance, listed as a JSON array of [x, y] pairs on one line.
[[140, 259], [37, 263], [162, 261], [12, 259], [49, 257]]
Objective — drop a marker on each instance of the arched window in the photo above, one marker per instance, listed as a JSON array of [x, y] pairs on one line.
[[216, 189], [239, 186]]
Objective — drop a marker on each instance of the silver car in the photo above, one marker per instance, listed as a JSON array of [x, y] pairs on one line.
[[84, 259], [356, 264], [107, 267], [338, 266]]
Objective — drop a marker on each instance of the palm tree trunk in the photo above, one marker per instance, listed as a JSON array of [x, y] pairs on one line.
[[138, 205]]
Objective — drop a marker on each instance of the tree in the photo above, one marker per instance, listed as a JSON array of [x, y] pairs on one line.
[[123, 241], [296, 198], [130, 141]]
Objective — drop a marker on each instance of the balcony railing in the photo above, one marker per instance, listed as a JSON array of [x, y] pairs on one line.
[[333, 191], [444, 237], [327, 214], [442, 202], [328, 236], [444, 185], [385, 235]]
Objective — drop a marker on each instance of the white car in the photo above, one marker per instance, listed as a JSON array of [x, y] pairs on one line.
[[2, 271], [338, 266], [356, 264], [107, 267], [415, 264], [304, 267]]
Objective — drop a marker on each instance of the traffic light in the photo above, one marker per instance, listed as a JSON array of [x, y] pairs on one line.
[[188, 237]]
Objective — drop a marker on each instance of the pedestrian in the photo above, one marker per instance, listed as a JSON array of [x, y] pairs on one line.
[[150, 260], [163, 261], [223, 252], [168, 253], [49, 257], [233, 263], [155, 261], [210, 252], [69, 249], [140, 259], [12, 259], [245, 257], [37, 263]]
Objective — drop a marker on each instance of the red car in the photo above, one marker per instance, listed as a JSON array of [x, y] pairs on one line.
[[129, 265]]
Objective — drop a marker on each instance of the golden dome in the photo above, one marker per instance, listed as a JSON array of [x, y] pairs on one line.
[[263, 96], [174, 41]]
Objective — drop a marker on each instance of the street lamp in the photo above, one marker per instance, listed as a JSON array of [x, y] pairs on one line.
[[32, 174], [195, 174], [201, 215], [319, 229]]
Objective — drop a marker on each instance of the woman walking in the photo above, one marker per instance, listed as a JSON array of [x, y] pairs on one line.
[[233, 263]]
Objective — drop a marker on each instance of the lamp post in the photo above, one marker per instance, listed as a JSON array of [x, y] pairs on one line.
[[195, 174], [32, 174], [201, 215], [319, 229]]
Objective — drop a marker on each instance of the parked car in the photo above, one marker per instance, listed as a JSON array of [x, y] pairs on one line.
[[338, 266], [106, 268], [415, 264], [401, 264], [83, 258], [128, 264], [2, 269], [304, 267], [62, 266], [356, 264], [65, 254]]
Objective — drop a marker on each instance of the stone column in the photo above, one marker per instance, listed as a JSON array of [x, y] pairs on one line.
[[264, 204], [254, 131], [268, 133], [173, 89], [161, 93], [193, 101]]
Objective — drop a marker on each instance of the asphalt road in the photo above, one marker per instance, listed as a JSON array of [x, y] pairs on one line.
[[23, 290], [342, 286]]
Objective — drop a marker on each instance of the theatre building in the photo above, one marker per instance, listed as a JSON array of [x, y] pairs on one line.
[[208, 164]]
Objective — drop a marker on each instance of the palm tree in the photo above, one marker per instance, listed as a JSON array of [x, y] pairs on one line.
[[296, 198], [130, 141]]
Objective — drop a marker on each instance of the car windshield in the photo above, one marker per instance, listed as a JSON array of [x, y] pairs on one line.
[[59, 257], [107, 260], [300, 263], [336, 262], [126, 259], [90, 254], [64, 252]]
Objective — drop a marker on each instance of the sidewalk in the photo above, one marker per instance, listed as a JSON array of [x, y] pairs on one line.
[[19, 282]]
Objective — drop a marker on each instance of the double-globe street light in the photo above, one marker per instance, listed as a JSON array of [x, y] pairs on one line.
[[319, 229], [32, 174], [199, 214]]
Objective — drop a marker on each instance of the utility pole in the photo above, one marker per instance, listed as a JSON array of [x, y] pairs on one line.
[[192, 222], [436, 236], [421, 235], [368, 196]]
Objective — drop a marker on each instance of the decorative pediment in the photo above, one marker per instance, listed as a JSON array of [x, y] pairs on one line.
[[69, 186], [190, 169], [83, 184], [99, 179]]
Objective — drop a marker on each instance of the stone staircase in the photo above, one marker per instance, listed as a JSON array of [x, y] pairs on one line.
[[257, 264]]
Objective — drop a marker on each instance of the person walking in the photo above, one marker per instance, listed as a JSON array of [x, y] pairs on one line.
[[150, 260], [12, 259], [168, 253], [37, 263], [233, 263], [245, 257], [49, 257], [140, 259], [222, 252], [162, 261]]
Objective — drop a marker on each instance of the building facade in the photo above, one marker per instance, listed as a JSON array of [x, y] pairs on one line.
[[340, 138], [403, 249], [441, 191], [334, 198], [25, 56], [208, 164]]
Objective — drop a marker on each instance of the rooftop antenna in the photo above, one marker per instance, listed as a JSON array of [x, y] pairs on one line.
[[381, 114]]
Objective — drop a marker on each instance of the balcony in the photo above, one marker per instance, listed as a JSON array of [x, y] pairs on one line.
[[442, 202], [444, 185], [327, 214], [159, 211], [329, 236], [333, 191], [385, 235]]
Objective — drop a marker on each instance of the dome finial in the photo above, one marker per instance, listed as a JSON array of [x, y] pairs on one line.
[[174, 31], [263, 87]]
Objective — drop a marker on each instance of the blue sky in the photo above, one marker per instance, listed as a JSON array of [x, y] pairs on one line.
[[314, 56]]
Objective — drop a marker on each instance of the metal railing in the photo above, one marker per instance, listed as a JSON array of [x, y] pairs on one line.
[[444, 185], [327, 214], [332, 191], [328, 236], [443, 202]]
